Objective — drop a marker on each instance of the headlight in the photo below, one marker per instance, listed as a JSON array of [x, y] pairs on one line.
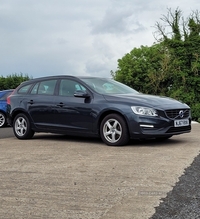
[[144, 111]]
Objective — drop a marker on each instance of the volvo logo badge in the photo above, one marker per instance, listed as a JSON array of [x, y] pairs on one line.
[[181, 113]]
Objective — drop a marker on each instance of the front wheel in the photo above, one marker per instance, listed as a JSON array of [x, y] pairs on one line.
[[2, 120], [22, 128], [114, 131]]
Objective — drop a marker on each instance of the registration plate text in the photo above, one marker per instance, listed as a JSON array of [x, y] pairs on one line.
[[181, 122]]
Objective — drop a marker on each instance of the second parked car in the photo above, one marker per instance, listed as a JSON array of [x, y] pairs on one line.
[[3, 106], [89, 106]]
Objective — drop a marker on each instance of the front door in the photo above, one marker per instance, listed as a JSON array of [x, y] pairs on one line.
[[73, 114]]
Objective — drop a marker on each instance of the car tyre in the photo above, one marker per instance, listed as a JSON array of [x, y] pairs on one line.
[[22, 128], [2, 120], [114, 131]]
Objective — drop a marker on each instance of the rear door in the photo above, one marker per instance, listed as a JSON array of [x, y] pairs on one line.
[[40, 104]]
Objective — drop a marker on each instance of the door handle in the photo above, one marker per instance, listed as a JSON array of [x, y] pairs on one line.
[[30, 101], [60, 104]]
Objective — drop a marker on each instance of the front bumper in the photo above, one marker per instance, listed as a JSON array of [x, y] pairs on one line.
[[152, 127]]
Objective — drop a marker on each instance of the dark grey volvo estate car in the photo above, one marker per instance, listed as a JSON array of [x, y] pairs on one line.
[[89, 106]]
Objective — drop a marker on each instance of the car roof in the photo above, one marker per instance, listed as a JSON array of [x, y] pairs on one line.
[[58, 77], [63, 76]]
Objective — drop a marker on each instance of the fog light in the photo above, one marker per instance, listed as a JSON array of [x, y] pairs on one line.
[[147, 126]]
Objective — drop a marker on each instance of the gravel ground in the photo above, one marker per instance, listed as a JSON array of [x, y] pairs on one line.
[[55, 177], [184, 200]]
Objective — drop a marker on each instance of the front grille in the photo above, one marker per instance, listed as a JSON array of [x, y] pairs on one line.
[[175, 113], [179, 129]]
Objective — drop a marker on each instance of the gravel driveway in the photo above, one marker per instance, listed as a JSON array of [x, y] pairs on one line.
[[53, 176]]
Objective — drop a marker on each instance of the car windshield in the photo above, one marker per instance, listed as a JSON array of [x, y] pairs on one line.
[[108, 86]]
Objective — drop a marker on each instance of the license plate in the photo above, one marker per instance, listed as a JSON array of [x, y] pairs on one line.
[[181, 122]]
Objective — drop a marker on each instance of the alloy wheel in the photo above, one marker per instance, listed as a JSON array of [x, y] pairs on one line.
[[20, 126], [2, 120], [112, 130]]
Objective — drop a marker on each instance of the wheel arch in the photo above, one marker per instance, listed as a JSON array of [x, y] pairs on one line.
[[16, 112], [1, 111]]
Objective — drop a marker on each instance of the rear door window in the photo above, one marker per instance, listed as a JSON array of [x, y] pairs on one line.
[[44, 87]]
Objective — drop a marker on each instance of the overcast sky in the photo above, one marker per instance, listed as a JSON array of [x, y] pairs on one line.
[[77, 37]]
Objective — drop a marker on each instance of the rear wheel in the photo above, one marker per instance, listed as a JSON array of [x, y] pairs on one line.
[[22, 128], [114, 131], [2, 120]]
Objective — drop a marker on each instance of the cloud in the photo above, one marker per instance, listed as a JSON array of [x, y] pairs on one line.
[[75, 37], [114, 21]]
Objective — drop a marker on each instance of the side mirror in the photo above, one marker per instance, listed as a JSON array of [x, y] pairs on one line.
[[81, 94]]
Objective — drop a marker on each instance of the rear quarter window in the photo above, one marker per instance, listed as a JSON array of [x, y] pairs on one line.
[[24, 89]]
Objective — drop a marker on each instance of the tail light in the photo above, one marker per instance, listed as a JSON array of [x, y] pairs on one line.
[[8, 98]]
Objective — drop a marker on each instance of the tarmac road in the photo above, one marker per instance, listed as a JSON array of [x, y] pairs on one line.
[[54, 176]]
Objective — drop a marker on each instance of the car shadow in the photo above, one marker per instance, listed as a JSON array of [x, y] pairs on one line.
[[62, 137], [93, 140]]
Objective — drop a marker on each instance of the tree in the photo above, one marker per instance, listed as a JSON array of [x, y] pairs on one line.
[[171, 66], [145, 69], [12, 81], [183, 43]]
